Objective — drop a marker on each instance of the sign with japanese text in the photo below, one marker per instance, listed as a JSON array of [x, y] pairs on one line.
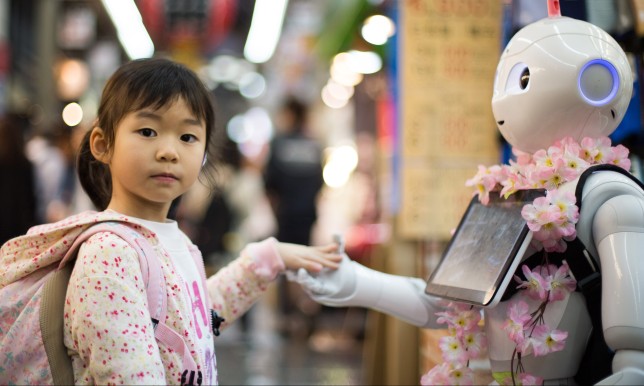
[[448, 54]]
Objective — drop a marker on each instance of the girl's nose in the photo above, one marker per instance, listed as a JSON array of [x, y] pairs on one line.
[[167, 153]]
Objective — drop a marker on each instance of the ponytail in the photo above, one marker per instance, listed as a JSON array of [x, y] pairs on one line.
[[94, 176]]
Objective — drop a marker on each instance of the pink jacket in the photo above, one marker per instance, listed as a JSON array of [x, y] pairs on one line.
[[107, 325]]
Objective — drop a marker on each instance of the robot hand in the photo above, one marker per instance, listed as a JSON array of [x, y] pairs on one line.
[[353, 284], [329, 287]]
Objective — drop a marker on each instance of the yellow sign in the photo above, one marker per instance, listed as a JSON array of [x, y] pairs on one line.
[[448, 57]]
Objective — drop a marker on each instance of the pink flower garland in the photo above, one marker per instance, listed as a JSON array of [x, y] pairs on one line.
[[531, 335], [465, 340], [552, 221], [552, 218]]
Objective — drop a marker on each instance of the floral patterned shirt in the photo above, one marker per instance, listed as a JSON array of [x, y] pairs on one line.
[[107, 325]]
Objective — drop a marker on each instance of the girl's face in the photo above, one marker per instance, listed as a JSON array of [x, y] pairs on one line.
[[157, 156]]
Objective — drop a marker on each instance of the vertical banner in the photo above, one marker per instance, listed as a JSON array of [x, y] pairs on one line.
[[448, 54]]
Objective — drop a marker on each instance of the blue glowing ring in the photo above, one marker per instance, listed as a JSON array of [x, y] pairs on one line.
[[614, 74]]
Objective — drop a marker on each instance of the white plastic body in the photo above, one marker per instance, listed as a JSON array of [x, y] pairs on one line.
[[400, 296], [618, 236]]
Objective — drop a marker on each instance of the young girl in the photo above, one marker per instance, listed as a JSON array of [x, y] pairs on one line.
[[149, 146]]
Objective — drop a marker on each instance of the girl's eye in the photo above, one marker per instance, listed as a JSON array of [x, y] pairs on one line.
[[147, 132], [188, 138]]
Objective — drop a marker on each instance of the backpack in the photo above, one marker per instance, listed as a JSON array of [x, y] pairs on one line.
[[32, 304]]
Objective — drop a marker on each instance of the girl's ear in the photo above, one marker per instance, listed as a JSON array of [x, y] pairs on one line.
[[98, 145]]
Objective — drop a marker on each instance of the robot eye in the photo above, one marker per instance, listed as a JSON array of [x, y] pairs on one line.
[[518, 79], [598, 82], [525, 78]]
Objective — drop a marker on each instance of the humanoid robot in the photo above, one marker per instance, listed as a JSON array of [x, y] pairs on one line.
[[558, 77]]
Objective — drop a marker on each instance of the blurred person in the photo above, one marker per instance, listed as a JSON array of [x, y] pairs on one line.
[[68, 196], [293, 173], [18, 193], [247, 197], [292, 180], [49, 169]]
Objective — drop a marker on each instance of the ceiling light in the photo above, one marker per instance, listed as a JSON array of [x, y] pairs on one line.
[[130, 29], [265, 30]]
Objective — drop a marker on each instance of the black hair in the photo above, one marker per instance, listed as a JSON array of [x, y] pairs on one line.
[[299, 111], [136, 85]]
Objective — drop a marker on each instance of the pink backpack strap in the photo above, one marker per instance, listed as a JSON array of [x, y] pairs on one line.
[[150, 267], [154, 281]]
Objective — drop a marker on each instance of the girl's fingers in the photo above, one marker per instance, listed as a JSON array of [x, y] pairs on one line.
[[313, 259], [329, 248], [329, 264], [328, 260], [312, 266]]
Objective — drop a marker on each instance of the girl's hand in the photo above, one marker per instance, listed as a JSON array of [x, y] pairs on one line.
[[313, 259]]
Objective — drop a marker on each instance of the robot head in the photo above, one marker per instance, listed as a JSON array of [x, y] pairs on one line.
[[560, 77]]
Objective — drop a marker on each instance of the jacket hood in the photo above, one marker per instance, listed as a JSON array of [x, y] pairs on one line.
[[44, 245]]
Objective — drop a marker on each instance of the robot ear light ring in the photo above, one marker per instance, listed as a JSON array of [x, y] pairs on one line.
[[598, 82]]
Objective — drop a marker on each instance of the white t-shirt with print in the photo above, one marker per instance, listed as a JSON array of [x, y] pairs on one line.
[[174, 242]]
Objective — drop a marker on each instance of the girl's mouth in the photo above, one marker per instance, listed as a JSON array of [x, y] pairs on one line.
[[165, 177]]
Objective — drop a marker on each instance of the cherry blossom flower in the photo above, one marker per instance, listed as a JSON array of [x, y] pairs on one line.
[[543, 219], [588, 151], [461, 376], [539, 213], [528, 379], [547, 158], [515, 180], [574, 164], [448, 374], [461, 318], [519, 316], [485, 181], [619, 157], [594, 150], [569, 212], [475, 343], [453, 349], [560, 283], [552, 218], [465, 340], [544, 340], [534, 283], [438, 375], [533, 177], [568, 144], [522, 157]]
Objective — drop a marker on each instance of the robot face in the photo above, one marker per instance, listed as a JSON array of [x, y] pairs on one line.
[[560, 77]]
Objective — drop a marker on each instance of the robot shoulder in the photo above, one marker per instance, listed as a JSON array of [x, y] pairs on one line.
[[596, 186]]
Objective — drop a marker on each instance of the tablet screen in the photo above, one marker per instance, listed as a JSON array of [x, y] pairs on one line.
[[489, 241]]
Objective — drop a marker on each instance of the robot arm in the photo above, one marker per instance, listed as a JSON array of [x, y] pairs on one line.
[[353, 284], [618, 236]]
